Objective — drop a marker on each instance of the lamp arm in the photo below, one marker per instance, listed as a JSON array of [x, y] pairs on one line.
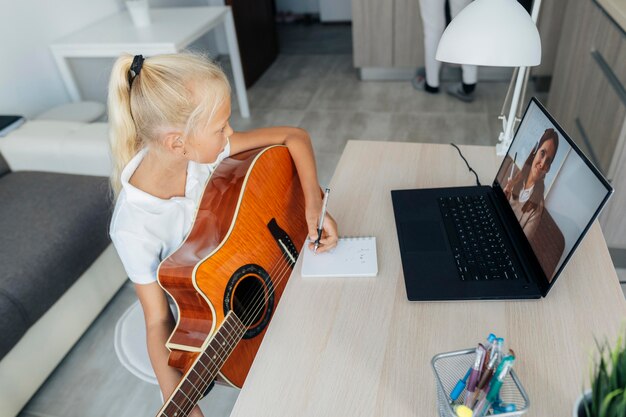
[[507, 135], [508, 94], [522, 100]]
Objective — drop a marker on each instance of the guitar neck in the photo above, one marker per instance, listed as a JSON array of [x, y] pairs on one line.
[[204, 369]]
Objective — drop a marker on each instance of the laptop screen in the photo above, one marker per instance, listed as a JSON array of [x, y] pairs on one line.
[[553, 189]]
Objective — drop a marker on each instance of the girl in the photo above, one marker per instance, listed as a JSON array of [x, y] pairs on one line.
[[169, 126], [525, 191]]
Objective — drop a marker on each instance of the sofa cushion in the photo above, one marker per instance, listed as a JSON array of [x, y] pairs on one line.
[[42, 145], [13, 322], [53, 227], [4, 167]]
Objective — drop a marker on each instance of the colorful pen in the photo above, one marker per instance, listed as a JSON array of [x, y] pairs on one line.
[[483, 385], [490, 348], [460, 386], [494, 389], [475, 373]]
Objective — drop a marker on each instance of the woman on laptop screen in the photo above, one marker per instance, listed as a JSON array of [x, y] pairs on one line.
[[525, 189]]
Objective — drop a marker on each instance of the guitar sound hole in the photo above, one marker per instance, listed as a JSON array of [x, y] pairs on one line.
[[250, 294], [249, 300]]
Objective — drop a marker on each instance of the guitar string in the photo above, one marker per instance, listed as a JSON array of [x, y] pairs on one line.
[[280, 271], [250, 313], [279, 268], [232, 340], [190, 403]]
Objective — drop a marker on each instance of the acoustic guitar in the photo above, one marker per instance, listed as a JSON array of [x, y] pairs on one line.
[[230, 272]]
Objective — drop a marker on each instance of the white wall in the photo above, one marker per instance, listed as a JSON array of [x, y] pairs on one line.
[[29, 80], [573, 199]]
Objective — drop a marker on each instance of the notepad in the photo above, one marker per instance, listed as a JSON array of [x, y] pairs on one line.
[[353, 257]]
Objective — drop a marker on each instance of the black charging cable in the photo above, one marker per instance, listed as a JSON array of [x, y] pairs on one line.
[[466, 163]]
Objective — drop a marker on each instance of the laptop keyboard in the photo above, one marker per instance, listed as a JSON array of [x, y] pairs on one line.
[[477, 244]]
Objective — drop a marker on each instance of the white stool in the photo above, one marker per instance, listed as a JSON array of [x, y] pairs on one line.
[[130, 344], [132, 352], [82, 111]]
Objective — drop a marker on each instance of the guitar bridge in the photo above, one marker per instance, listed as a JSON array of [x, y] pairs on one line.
[[284, 242]]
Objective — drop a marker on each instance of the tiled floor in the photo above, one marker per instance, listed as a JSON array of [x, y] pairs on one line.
[[318, 90]]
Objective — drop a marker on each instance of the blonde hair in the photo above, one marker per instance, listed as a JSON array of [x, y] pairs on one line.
[[179, 91]]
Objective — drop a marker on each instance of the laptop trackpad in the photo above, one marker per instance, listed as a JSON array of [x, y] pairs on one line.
[[423, 236]]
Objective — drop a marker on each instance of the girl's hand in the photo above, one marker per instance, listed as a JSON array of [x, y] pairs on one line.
[[329, 230]]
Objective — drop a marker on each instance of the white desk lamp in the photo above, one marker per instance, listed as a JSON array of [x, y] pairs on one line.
[[497, 33]]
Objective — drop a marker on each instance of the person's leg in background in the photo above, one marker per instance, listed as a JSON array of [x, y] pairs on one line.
[[434, 22], [464, 90]]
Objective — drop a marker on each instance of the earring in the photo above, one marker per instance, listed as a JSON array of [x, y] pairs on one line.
[[184, 152]]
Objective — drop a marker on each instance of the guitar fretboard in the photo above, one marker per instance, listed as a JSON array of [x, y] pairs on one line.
[[205, 368]]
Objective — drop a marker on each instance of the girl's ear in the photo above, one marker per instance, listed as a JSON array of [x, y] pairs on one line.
[[173, 142]]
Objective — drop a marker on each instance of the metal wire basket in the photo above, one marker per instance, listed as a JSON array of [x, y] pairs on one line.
[[452, 366]]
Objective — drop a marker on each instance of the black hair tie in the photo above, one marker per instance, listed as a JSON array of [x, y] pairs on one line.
[[135, 68]]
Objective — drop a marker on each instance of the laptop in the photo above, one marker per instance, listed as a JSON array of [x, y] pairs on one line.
[[510, 240]]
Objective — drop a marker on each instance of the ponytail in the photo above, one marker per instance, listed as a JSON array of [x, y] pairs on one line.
[[173, 91], [122, 133]]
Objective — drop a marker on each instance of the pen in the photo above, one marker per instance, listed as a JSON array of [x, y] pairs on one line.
[[321, 224], [494, 389], [475, 374], [483, 385], [490, 349], [460, 386]]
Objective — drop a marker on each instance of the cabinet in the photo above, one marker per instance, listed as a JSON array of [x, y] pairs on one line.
[[389, 34], [588, 98]]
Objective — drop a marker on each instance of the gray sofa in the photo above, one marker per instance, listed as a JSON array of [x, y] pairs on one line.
[[58, 267]]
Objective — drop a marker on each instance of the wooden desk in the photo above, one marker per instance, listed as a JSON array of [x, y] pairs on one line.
[[357, 347], [171, 30]]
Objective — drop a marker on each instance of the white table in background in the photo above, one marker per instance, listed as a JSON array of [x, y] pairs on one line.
[[171, 30]]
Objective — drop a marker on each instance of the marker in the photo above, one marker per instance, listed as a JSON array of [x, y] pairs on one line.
[[490, 350], [503, 369], [483, 385], [460, 386], [475, 373]]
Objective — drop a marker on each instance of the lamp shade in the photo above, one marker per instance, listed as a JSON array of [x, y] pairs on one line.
[[497, 33]]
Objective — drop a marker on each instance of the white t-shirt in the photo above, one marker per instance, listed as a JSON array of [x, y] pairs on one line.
[[146, 229]]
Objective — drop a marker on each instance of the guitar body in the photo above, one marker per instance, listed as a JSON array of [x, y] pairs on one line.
[[238, 256]]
